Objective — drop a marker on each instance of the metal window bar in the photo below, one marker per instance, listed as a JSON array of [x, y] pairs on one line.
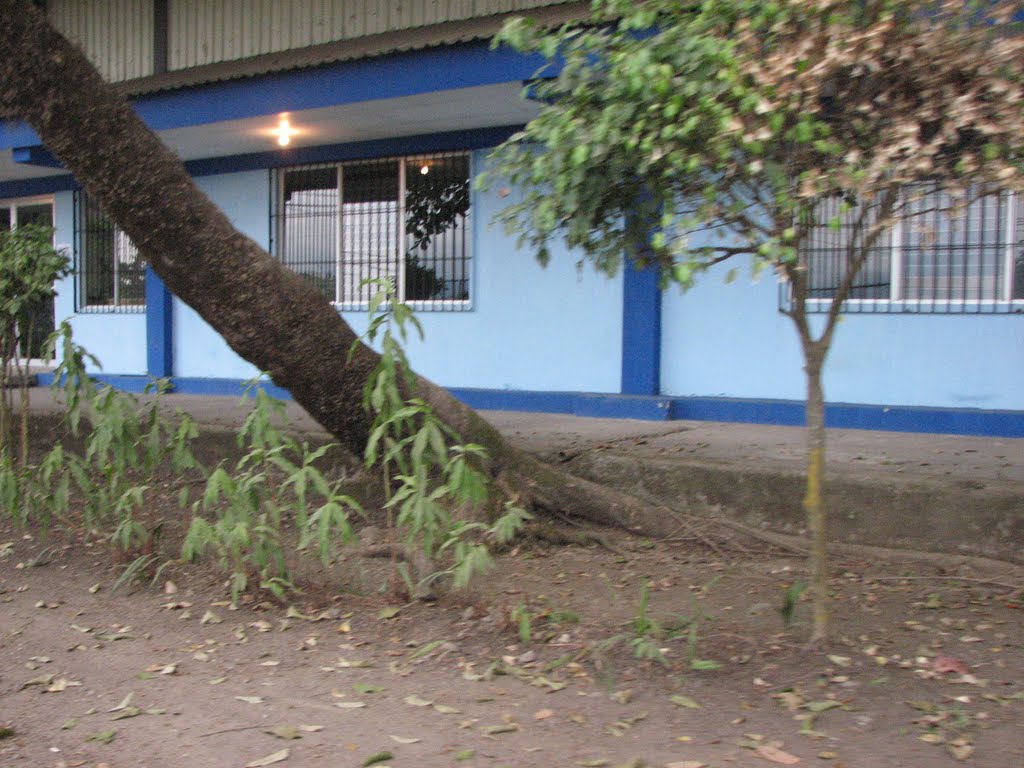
[[306, 224], [110, 275], [944, 257], [407, 219]]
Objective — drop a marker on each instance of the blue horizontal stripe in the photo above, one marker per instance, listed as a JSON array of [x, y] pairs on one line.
[[953, 421]]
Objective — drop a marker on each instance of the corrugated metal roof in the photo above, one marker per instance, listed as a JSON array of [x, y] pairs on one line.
[[347, 50]]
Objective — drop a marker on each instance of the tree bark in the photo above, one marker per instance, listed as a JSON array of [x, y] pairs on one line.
[[267, 314], [814, 502]]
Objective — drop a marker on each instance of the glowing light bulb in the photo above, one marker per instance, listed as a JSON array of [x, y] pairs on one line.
[[424, 169], [284, 131]]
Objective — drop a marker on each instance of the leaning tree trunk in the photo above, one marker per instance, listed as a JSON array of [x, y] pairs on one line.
[[267, 314]]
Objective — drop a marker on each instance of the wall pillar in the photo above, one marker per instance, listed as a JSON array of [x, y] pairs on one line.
[[159, 327], [641, 330]]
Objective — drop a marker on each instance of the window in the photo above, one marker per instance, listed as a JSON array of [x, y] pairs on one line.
[[36, 211], [939, 258], [110, 276], [407, 218]]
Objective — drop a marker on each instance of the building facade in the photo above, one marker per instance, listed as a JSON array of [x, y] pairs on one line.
[[344, 137]]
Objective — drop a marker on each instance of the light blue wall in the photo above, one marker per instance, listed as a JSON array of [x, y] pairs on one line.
[[560, 329], [530, 328], [118, 340], [724, 340], [199, 351], [554, 328]]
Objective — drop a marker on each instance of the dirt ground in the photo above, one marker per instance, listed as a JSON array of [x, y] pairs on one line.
[[536, 667]]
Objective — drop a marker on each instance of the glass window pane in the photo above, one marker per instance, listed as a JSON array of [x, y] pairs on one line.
[[309, 226], [40, 215], [437, 228], [370, 225], [954, 251], [828, 252]]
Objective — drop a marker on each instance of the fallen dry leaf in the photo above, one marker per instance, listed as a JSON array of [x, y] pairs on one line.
[[776, 755], [285, 731], [943, 664], [684, 701], [403, 739], [960, 751], [61, 684], [542, 714], [276, 757]]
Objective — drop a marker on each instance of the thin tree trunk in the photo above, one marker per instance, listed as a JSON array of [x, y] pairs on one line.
[[23, 375], [267, 314], [814, 502]]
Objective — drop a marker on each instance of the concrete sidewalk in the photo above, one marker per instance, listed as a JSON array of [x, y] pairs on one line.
[[944, 493]]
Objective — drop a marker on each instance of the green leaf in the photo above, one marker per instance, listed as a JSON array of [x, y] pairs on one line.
[[704, 664], [380, 757], [367, 688]]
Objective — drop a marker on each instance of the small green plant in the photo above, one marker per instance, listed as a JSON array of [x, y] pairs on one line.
[[649, 634], [648, 631], [790, 599], [523, 620], [108, 483], [693, 626], [435, 489], [29, 265], [244, 515]]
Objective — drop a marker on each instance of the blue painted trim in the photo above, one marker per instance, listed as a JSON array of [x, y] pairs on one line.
[[641, 330], [134, 384], [159, 327], [449, 141], [35, 155], [179, 386], [952, 421], [224, 387], [32, 187], [479, 138], [409, 73]]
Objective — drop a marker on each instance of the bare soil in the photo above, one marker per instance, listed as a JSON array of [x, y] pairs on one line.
[[926, 668]]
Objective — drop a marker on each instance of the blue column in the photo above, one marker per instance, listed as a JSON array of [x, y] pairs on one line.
[[641, 330], [159, 327]]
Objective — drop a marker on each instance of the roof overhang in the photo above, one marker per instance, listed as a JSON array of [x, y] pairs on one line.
[[446, 89]]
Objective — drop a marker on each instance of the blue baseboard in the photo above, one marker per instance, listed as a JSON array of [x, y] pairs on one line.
[[608, 406], [952, 421]]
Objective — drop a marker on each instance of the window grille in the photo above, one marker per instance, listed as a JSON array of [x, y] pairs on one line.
[[940, 257], [407, 218], [110, 276]]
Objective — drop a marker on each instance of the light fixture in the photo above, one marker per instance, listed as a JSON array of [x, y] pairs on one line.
[[284, 131], [424, 169]]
